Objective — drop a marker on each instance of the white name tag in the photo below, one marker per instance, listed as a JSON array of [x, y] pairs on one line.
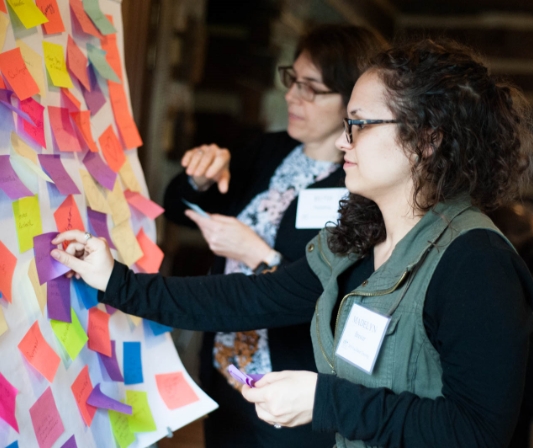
[[362, 337], [317, 206]]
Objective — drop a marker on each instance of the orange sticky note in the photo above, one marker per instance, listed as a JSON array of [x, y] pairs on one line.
[[77, 63], [98, 331], [7, 267], [38, 353], [67, 216], [17, 74], [109, 45], [62, 129], [3, 7], [82, 388], [144, 205], [71, 101], [174, 390], [83, 19], [125, 123], [112, 150], [50, 9], [82, 120], [153, 256]]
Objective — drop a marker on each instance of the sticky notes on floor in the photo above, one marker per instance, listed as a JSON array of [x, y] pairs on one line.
[[38, 353], [82, 388], [27, 12], [133, 373], [126, 243], [28, 223], [46, 420], [82, 120], [10, 182], [62, 129], [53, 166], [8, 397], [111, 364], [98, 331], [36, 113], [124, 436], [71, 335], [8, 261], [143, 204], [152, 257], [47, 267], [100, 400], [58, 295], [104, 175], [141, 420], [125, 123], [51, 11], [112, 149], [54, 60], [174, 389], [77, 63]]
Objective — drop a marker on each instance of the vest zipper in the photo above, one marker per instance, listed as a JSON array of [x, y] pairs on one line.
[[319, 244], [320, 339]]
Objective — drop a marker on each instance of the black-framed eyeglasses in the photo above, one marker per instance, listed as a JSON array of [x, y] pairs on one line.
[[304, 90], [348, 123]]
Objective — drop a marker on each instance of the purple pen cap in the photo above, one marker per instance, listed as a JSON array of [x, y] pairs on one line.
[[243, 377]]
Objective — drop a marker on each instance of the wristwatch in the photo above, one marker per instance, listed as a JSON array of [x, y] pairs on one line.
[[270, 264]]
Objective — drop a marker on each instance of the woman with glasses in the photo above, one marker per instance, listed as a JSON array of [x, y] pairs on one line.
[[251, 226], [420, 308]]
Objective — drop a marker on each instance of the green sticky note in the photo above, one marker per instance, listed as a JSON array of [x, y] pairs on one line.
[[71, 335], [27, 221], [92, 8], [99, 62], [141, 419], [121, 429]]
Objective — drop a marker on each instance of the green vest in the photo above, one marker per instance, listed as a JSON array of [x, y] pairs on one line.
[[407, 360]]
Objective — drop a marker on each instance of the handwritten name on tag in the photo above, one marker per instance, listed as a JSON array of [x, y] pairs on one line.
[[317, 206]]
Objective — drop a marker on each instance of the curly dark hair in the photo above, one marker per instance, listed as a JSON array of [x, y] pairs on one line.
[[470, 133]]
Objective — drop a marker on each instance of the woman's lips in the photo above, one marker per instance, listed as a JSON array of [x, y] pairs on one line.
[[294, 117], [348, 164]]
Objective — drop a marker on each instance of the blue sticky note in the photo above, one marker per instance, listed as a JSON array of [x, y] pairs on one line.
[[157, 328], [133, 372], [87, 294], [15, 444]]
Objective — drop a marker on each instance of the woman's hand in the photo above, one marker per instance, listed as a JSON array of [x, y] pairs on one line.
[[230, 238], [89, 259], [286, 398], [208, 164]]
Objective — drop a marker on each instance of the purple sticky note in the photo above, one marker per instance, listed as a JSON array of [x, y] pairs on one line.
[[111, 364], [99, 400], [95, 99], [9, 181], [100, 170], [51, 163], [110, 310], [47, 267], [70, 443], [98, 222], [5, 99], [58, 299]]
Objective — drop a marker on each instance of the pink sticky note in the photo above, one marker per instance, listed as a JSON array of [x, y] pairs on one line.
[[46, 420], [69, 100], [144, 205], [38, 353], [174, 390], [7, 267], [9, 181], [82, 388], [62, 129], [36, 112], [100, 170], [77, 63], [8, 396], [99, 400], [83, 19], [5, 99], [47, 267], [51, 163], [17, 74], [98, 332], [153, 256]]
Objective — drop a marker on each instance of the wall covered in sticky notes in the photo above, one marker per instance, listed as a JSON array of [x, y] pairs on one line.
[[73, 372]]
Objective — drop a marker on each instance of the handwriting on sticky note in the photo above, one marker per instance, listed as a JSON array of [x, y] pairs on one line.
[[38, 353], [175, 391], [27, 221], [77, 63], [34, 63], [46, 420], [8, 396], [67, 216], [51, 11], [72, 336], [126, 243], [112, 150], [98, 331], [81, 389], [141, 420], [54, 60], [120, 210], [62, 129], [94, 196], [27, 12], [121, 429], [8, 261], [17, 74]]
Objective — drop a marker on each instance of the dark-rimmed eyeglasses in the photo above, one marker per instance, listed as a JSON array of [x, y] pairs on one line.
[[304, 90], [348, 123]]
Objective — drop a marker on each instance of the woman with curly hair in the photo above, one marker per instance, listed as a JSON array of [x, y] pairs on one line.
[[420, 309]]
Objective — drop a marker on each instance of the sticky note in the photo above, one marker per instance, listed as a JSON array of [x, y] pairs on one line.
[[22, 148], [51, 163], [109, 45], [46, 420], [83, 19], [175, 390], [99, 62], [58, 295], [99, 400], [27, 12], [87, 294], [3, 323], [8, 397], [3, 7], [77, 63], [67, 216], [98, 222], [36, 112], [4, 24], [98, 331], [54, 60], [82, 120], [17, 74], [31, 166], [94, 196], [62, 129], [9, 181], [125, 123], [27, 221], [132, 368], [111, 149], [8, 261], [70, 101], [71, 335], [47, 267], [92, 8], [40, 290], [38, 353], [34, 63], [100, 170], [82, 388], [70, 443], [141, 420], [153, 256], [111, 364], [51, 11], [124, 436], [157, 328], [126, 243], [110, 310], [120, 210], [15, 444], [144, 205], [128, 177], [5, 100], [135, 320], [94, 98]]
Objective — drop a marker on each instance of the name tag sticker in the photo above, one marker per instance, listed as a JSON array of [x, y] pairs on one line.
[[362, 337], [317, 206]]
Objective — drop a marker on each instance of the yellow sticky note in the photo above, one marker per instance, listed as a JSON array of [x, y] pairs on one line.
[[120, 210], [22, 149], [40, 290], [4, 23], [34, 62], [54, 59], [27, 221], [141, 419], [126, 243], [94, 195], [27, 12], [71, 335], [121, 429], [128, 177], [136, 320], [3, 323]]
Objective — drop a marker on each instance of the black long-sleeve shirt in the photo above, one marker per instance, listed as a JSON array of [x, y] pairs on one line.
[[477, 316]]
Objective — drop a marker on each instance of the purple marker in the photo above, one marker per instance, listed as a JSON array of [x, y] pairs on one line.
[[244, 378]]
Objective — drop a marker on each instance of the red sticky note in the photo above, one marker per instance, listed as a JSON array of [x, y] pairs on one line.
[[82, 388], [98, 332], [125, 123], [8, 261], [77, 63], [153, 256], [109, 45], [68, 217], [111, 149], [3, 7], [17, 74], [8, 397], [50, 9], [144, 205], [82, 120], [46, 420], [38, 353], [72, 103], [174, 390], [62, 129], [36, 112], [83, 19]]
